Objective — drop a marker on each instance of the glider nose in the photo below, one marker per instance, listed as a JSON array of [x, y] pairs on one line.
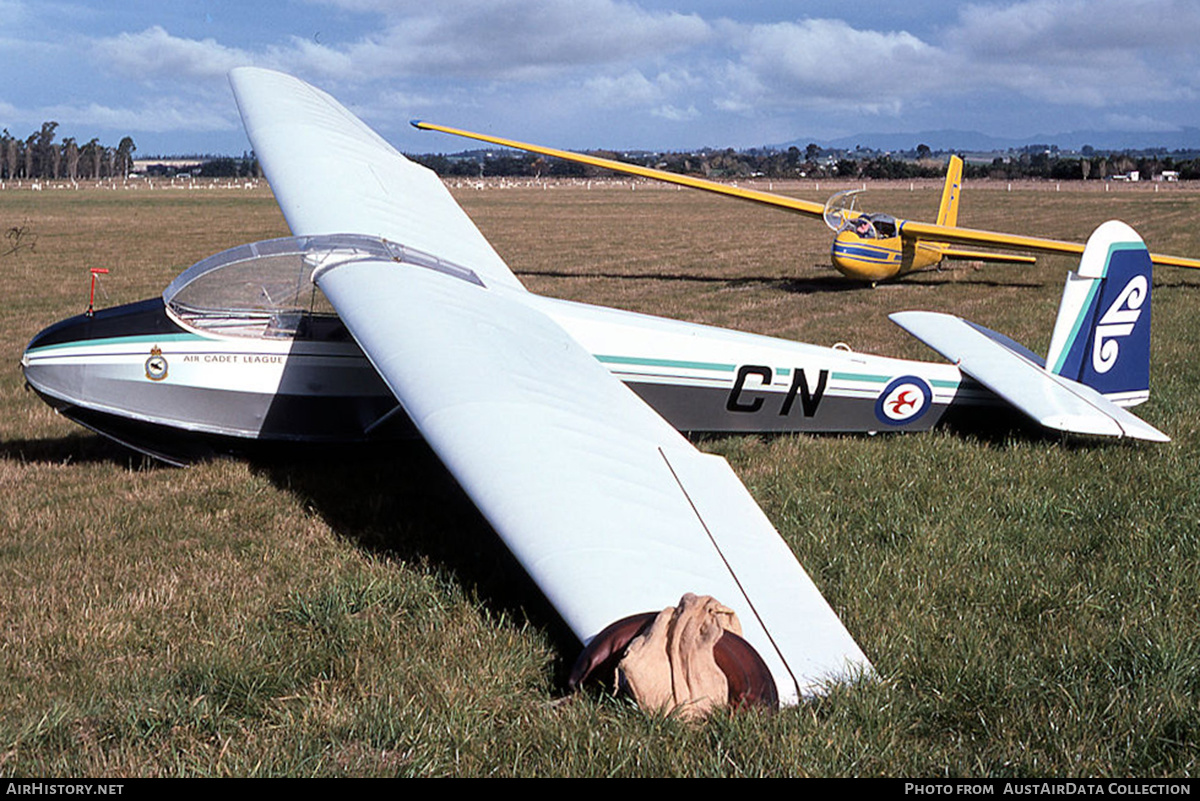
[[51, 376], [865, 260]]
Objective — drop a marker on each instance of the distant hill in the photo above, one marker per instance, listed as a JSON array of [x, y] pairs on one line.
[[973, 141]]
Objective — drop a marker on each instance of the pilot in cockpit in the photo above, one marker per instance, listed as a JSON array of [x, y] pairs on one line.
[[863, 228]]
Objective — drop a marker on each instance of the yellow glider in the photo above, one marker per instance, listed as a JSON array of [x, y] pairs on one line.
[[866, 247]]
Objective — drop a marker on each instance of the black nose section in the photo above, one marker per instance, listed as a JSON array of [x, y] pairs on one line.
[[132, 319], [72, 329]]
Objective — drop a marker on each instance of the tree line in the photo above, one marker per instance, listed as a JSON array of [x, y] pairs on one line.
[[816, 162], [38, 156]]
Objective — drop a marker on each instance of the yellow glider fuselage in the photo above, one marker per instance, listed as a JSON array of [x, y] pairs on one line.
[[883, 258]]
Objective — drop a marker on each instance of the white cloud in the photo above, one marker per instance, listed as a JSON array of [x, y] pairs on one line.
[[155, 118], [311, 58], [669, 112], [1140, 122], [518, 39], [826, 63], [1068, 53], [154, 53], [407, 100], [626, 89], [1077, 53], [566, 65], [1050, 30]]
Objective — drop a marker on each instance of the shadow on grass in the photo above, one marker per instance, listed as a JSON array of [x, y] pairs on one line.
[[1002, 427], [938, 279], [825, 283], [995, 428], [395, 499], [1176, 284], [81, 448], [399, 500]]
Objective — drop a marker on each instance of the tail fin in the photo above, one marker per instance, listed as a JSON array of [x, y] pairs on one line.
[[948, 211], [1102, 335]]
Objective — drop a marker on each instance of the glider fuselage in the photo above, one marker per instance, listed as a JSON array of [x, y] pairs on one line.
[[879, 259], [170, 385]]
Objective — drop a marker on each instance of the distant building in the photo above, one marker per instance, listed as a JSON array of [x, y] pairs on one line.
[[183, 166]]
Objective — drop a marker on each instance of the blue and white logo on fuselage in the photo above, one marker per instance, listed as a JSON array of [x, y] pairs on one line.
[[903, 400]]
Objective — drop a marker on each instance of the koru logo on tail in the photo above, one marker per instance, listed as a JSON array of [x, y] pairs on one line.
[[1118, 321]]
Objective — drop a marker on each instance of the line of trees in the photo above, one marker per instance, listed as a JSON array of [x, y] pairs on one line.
[[477, 163], [38, 156], [815, 162], [229, 167], [1087, 166]]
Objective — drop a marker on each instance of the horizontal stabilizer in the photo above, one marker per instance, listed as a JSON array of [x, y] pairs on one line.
[[1051, 400], [984, 255]]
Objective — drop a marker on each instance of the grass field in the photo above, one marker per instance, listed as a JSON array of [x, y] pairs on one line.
[[1031, 603]]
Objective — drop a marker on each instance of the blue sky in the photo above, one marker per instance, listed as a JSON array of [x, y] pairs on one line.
[[605, 73]]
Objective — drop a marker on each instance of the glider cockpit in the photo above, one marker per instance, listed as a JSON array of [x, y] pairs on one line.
[[265, 290], [841, 215]]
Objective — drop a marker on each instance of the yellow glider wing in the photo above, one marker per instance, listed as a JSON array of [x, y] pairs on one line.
[[766, 198], [968, 236]]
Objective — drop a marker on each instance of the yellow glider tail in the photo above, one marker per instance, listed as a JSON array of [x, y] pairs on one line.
[[946, 231], [948, 217], [948, 211]]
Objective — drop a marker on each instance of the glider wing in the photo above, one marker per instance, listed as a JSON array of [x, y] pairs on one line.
[[606, 506], [332, 174], [909, 229], [969, 236], [767, 198]]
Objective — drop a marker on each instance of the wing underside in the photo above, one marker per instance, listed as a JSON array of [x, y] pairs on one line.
[[986, 255]]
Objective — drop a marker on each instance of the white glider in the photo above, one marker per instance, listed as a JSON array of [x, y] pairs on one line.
[[560, 420]]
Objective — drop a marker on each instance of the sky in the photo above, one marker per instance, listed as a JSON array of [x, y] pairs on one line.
[[644, 74]]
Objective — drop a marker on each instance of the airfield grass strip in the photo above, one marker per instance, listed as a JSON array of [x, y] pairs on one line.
[[1029, 601]]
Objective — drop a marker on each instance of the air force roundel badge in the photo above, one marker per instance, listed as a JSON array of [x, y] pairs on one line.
[[903, 400]]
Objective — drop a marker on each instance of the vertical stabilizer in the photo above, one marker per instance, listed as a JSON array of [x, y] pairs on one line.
[[948, 212], [1102, 335]]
